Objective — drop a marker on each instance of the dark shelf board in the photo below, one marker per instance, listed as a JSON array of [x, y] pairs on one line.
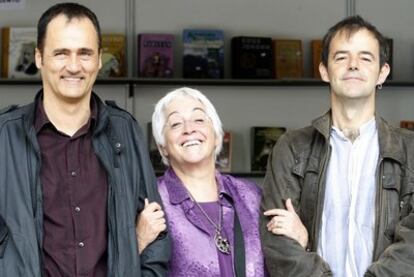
[[304, 82]]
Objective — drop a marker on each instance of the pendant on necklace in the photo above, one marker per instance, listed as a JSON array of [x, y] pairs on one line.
[[222, 244]]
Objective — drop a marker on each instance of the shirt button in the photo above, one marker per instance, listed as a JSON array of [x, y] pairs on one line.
[[73, 173], [77, 209], [81, 244]]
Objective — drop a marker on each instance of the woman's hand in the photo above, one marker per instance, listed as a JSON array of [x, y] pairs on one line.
[[287, 223], [150, 223]]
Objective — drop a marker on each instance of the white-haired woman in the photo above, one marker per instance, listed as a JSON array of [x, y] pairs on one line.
[[213, 219]]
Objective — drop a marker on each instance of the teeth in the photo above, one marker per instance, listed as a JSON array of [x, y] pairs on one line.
[[72, 78], [191, 143]]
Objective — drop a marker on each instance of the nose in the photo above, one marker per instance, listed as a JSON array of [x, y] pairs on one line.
[[353, 64], [73, 64], [188, 126]]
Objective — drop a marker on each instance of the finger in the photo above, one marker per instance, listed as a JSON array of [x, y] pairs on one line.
[[275, 222], [157, 214], [153, 206], [278, 212], [146, 203], [289, 206]]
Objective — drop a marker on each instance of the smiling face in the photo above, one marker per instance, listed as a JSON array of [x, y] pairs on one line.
[[70, 59], [189, 135], [353, 69]]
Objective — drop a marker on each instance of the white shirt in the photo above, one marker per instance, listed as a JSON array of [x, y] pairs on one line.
[[348, 218]]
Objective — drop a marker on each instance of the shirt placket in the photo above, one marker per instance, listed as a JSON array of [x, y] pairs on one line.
[[74, 175]]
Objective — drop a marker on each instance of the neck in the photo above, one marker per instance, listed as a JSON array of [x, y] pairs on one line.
[[67, 117], [200, 182], [349, 115]]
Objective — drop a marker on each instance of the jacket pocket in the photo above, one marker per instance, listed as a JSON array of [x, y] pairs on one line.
[[397, 200], [307, 171]]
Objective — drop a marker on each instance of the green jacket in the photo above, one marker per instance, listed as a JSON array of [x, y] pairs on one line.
[[297, 170]]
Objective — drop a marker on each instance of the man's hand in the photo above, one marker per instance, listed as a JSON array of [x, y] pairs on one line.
[[150, 223], [287, 223]]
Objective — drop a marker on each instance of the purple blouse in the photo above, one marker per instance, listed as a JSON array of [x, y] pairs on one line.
[[225, 260], [193, 250]]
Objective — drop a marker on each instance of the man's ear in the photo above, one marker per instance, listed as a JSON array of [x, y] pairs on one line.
[[100, 58], [384, 72], [38, 58], [324, 72]]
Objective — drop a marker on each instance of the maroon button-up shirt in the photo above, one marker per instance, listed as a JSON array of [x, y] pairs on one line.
[[74, 188]]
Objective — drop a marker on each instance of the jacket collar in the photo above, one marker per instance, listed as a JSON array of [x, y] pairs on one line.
[[29, 112], [178, 194], [389, 144]]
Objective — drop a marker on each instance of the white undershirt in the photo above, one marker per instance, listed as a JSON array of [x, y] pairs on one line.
[[348, 218]]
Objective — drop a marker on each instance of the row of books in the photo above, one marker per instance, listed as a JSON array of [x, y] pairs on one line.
[[262, 142], [203, 55]]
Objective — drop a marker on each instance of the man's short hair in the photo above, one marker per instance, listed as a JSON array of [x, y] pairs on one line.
[[70, 10], [350, 25]]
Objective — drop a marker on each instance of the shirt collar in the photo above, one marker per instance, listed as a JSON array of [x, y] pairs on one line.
[[366, 129], [41, 118], [178, 194]]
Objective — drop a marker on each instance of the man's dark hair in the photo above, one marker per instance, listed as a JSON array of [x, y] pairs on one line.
[[70, 10], [350, 25]]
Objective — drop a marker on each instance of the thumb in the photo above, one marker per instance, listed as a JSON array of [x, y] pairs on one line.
[[146, 203], [289, 206]]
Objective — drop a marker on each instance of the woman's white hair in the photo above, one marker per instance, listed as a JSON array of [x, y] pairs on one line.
[[159, 117]]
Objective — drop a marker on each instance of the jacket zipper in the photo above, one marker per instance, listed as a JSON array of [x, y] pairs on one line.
[[320, 200], [36, 185], [111, 208], [378, 206]]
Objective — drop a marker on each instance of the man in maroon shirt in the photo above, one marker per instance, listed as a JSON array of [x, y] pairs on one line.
[[94, 174]]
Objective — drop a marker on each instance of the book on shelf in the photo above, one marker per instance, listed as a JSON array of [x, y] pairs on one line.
[[407, 124], [113, 56], [390, 45], [262, 140], [18, 52], [203, 54], [288, 56], [223, 161], [316, 49], [154, 154], [251, 57], [156, 55]]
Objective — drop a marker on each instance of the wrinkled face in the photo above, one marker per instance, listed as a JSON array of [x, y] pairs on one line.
[[189, 134], [70, 60], [353, 66]]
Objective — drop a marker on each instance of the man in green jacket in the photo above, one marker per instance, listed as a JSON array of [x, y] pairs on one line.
[[78, 195], [350, 174]]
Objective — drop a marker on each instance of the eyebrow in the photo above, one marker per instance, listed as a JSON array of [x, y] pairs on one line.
[[66, 50], [359, 53]]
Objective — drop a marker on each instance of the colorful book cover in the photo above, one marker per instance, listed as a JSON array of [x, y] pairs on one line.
[[316, 46], [252, 57], [263, 139], [18, 52], [407, 124], [156, 55], [203, 55], [223, 161], [288, 56], [113, 56]]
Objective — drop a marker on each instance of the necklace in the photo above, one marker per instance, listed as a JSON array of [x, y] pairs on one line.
[[222, 244]]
